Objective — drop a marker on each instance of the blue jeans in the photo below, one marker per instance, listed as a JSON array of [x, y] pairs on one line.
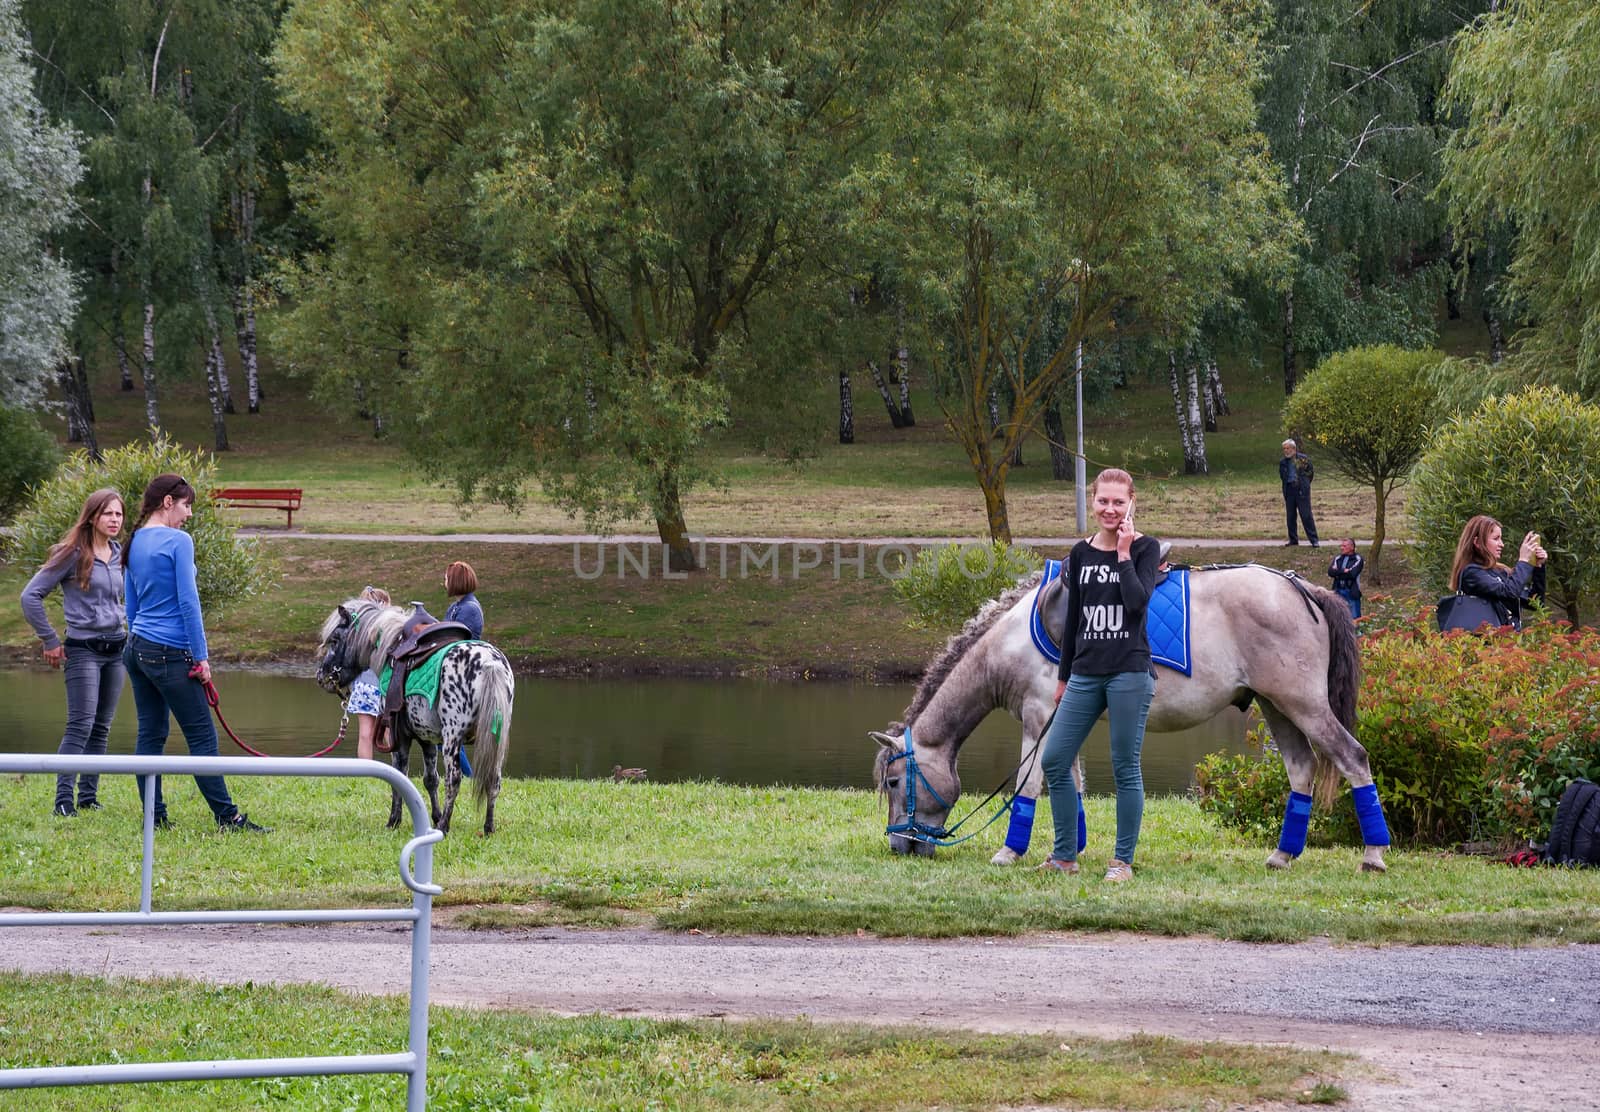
[[161, 686], [1352, 600], [94, 684], [1127, 695]]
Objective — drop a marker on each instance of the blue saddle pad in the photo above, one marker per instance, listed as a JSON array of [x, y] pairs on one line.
[[1166, 622]]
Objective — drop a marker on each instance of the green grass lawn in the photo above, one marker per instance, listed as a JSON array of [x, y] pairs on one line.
[[494, 1060], [776, 860], [907, 482]]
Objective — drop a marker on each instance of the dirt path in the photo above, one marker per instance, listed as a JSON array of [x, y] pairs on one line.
[[1435, 1028]]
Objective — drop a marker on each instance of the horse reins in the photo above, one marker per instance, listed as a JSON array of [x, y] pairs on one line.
[[944, 836], [214, 701]]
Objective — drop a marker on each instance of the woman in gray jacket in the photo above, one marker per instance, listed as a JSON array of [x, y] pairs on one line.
[[85, 564]]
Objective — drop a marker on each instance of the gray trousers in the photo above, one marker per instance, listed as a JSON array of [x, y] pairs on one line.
[[94, 684]]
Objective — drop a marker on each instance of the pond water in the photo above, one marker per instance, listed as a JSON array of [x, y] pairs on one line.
[[737, 731]]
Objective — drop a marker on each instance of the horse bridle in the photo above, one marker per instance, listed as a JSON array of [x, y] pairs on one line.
[[913, 828], [328, 679]]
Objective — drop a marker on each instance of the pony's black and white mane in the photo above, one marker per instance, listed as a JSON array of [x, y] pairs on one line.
[[960, 643], [377, 627]]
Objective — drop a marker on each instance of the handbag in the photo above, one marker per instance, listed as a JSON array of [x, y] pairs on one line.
[[1466, 612], [105, 646]]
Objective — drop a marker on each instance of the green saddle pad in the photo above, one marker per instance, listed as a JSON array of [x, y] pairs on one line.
[[423, 680]]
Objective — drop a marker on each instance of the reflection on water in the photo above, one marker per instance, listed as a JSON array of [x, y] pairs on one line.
[[737, 731]]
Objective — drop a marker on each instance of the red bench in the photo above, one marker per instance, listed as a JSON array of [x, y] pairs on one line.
[[286, 499]]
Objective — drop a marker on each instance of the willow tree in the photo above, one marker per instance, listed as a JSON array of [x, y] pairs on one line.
[[1526, 159], [38, 168], [585, 206], [1066, 159]]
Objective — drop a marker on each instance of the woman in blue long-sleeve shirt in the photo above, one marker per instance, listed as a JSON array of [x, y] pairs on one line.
[[166, 654]]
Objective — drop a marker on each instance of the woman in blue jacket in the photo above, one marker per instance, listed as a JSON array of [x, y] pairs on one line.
[[86, 565], [166, 654]]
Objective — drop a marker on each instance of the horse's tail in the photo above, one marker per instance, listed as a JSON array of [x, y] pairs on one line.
[[1344, 681], [492, 736]]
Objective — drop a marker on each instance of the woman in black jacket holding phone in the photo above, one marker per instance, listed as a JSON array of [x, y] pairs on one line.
[[1478, 572]]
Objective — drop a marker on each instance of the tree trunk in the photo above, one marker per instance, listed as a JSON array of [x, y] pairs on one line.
[[119, 338], [670, 525], [219, 426], [1208, 407], [1194, 462], [147, 370], [896, 418], [1219, 398], [1056, 433], [1497, 336], [222, 374], [847, 414], [244, 309], [244, 326], [76, 425], [1374, 569], [1175, 381], [1016, 451], [994, 505], [994, 412], [1289, 370], [902, 374]]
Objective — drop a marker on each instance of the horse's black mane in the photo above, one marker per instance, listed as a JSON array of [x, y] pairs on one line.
[[958, 645]]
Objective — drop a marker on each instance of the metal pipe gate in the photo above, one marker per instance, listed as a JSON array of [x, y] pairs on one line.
[[413, 1062]]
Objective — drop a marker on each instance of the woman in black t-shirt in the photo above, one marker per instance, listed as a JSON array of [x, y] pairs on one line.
[[1105, 666]]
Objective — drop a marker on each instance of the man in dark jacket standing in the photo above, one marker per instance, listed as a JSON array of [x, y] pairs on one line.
[[1296, 471]]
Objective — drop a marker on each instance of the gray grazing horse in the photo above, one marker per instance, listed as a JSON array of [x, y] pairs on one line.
[[476, 691], [1257, 635]]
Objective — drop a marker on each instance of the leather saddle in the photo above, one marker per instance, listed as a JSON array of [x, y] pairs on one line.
[[421, 637]]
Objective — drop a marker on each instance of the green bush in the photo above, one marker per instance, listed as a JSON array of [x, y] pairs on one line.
[[229, 567], [1531, 461], [1471, 736], [28, 456], [946, 584]]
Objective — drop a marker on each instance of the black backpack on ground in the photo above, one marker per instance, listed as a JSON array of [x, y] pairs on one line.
[[1575, 837]]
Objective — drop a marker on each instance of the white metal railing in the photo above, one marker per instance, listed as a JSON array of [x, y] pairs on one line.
[[413, 1063]]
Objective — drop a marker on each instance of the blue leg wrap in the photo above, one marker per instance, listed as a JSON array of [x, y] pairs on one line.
[[1369, 813], [1083, 825], [461, 759], [1296, 821], [1020, 832]]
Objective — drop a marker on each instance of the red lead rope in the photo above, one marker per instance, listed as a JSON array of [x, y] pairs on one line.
[[213, 699]]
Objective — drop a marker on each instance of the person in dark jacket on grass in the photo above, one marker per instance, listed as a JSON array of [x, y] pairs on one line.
[[1295, 473]]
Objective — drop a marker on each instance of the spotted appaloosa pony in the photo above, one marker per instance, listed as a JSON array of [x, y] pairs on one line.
[[476, 690], [1257, 635]]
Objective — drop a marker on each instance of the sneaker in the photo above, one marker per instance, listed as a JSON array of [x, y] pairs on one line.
[[163, 823], [90, 805], [241, 824], [1119, 871], [1056, 865], [1316, 544], [1291, 544], [66, 810]]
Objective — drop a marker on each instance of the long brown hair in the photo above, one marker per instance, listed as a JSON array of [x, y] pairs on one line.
[[154, 495], [1473, 548], [79, 540]]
